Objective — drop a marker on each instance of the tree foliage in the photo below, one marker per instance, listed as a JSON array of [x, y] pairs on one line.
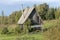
[[42, 10], [50, 14], [57, 13], [14, 17]]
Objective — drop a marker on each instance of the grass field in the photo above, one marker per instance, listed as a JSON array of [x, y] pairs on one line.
[[50, 25], [22, 37]]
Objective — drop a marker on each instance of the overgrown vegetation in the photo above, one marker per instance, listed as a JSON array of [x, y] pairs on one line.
[[18, 29], [51, 26], [5, 30], [53, 33]]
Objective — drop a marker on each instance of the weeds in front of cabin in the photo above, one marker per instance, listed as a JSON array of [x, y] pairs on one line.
[[52, 33]]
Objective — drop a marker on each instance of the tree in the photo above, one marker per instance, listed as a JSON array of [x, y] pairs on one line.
[[57, 13], [14, 17], [18, 15], [5, 19], [42, 10], [50, 14], [2, 20]]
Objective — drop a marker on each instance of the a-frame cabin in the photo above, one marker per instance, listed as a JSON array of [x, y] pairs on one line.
[[32, 14]]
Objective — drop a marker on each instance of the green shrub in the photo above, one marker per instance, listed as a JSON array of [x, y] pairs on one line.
[[5, 30], [18, 29]]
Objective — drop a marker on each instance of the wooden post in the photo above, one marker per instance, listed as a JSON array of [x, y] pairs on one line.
[[21, 26]]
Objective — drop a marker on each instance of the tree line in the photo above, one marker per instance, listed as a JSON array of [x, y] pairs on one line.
[[46, 13]]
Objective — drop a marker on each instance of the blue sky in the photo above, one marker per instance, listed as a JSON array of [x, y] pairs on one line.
[[8, 6]]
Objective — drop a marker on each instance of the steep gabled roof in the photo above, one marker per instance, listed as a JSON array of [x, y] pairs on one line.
[[25, 15]]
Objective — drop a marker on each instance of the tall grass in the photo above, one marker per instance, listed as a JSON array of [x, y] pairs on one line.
[[54, 32]]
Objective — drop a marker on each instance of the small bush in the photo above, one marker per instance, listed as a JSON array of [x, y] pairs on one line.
[[4, 30], [18, 29], [17, 38]]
